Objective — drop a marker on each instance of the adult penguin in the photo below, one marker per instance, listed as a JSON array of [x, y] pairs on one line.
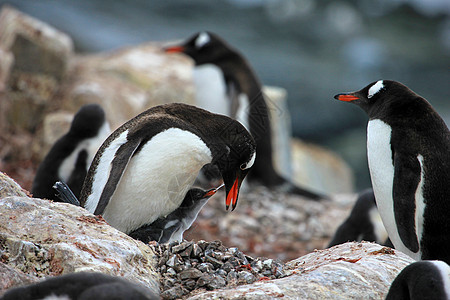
[[145, 167], [408, 149], [69, 158], [226, 84]]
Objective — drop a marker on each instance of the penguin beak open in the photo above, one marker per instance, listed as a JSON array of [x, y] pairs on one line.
[[174, 49], [346, 97]]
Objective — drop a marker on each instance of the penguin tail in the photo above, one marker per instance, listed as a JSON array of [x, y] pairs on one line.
[[65, 193]]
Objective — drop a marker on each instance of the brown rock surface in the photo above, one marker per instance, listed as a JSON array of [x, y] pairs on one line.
[[42, 238]]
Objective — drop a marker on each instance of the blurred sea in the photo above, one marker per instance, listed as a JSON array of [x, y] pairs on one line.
[[313, 48]]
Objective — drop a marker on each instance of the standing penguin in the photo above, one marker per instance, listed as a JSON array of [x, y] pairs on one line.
[[422, 280], [408, 150], [172, 227], [226, 84], [145, 167], [69, 158]]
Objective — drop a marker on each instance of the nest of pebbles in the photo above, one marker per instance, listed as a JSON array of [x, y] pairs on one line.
[[190, 267]]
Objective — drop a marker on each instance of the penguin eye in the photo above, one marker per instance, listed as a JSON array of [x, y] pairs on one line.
[[243, 166]]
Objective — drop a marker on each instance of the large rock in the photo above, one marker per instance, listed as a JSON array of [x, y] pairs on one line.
[[128, 81], [42, 238], [10, 277], [320, 169], [348, 271], [8, 187]]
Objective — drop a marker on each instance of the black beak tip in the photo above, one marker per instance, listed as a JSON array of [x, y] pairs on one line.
[[336, 96]]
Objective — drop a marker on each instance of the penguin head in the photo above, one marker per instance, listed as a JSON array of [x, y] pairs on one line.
[[198, 196], [234, 165], [203, 47], [87, 121], [376, 94]]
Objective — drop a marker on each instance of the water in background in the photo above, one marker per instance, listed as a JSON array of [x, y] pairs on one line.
[[312, 48]]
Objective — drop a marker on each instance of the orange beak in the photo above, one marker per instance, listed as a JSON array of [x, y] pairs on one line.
[[346, 97], [174, 49], [232, 195]]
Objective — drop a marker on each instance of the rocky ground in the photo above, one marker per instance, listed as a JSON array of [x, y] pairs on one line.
[[194, 267], [264, 224]]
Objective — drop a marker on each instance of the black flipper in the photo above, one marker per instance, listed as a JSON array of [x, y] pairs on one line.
[[118, 166], [65, 193], [407, 172]]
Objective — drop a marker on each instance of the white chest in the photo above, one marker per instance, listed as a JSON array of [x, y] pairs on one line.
[[90, 145], [156, 179], [381, 167], [211, 92]]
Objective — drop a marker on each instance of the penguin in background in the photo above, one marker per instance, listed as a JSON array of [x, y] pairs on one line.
[[81, 286], [172, 227], [363, 223], [69, 158], [144, 169], [226, 84], [422, 280], [408, 150]]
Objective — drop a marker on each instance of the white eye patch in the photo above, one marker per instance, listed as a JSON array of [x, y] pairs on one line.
[[250, 163], [202, 39], [377, 87]]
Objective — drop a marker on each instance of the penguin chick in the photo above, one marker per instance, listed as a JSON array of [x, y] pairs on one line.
[[81, 286], [144, 169], [172, 227], [226, 84], [363, 223], [69, 158], [408, 150]]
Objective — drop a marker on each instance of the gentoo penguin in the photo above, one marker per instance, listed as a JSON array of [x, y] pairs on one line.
[[172, 227], [81, 286], [145, 167], [226, 84], [69, 158], [408, 149], [422, 280], [363, 223]]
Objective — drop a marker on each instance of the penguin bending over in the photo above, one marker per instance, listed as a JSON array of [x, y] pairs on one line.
[[144, 169], [408, 149], [81, 286], [69, 158], [226, 84], [363, 223], [172, 227], [422, 280]]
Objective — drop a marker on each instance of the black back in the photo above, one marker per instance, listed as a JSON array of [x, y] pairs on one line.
[[82, 286], [230, 143], [418, 281], [86, 124]]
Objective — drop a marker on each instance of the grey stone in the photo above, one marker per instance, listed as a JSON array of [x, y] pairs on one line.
[[246, 276], [205, 267], [190, 274]]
